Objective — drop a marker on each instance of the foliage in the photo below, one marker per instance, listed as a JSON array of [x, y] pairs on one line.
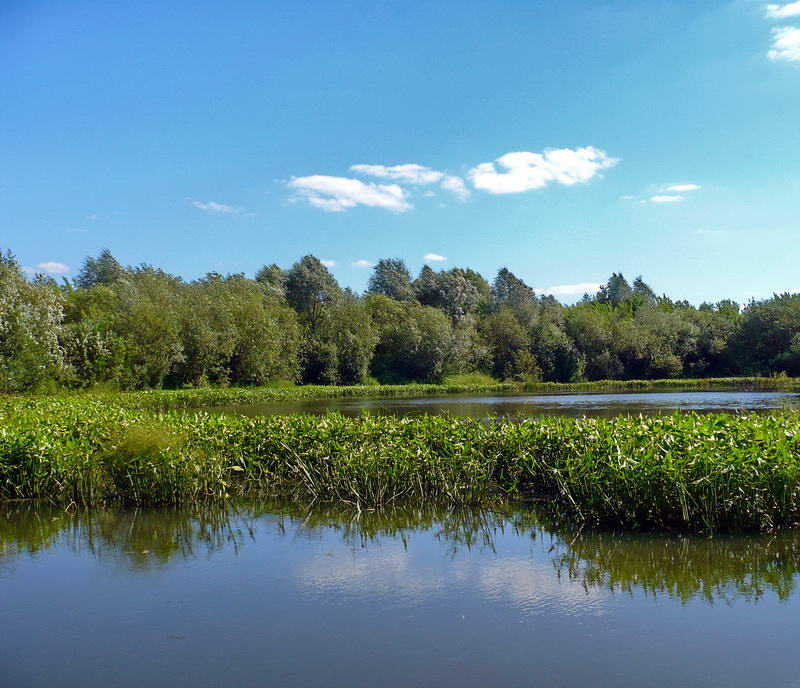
[[687, 471], [140, 327]]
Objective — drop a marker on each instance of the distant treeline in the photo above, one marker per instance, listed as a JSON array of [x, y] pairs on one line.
[[140, 327]]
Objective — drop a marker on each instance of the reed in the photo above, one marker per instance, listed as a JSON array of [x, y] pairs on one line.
[[687, 471]]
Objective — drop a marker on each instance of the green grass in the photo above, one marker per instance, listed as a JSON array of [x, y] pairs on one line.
[[687, 471]]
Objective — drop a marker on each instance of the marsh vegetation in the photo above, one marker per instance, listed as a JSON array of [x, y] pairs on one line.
[[686, 471]]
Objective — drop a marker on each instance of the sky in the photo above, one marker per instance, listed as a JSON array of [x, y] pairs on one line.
[[564, 140]]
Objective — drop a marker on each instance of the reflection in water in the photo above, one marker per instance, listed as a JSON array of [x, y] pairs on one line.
[[518, 406], [274, 594], [680, 567]]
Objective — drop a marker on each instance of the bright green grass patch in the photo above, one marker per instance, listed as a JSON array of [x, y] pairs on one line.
[[471, 379], [681, 471]]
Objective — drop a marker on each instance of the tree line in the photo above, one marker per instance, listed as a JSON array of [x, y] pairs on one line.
[[141, 327]]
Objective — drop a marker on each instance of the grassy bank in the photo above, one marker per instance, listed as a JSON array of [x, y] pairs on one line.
[[165, 400], [685, 471]]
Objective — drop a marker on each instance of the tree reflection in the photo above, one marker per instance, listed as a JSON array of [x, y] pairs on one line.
[[681, 567]]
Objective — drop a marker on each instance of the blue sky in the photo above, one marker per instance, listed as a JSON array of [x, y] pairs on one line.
[[561, 139]]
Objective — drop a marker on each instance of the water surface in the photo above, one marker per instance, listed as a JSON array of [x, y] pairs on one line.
[[532, 405], [277, 595]]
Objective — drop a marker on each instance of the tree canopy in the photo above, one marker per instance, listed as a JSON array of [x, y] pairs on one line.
[[140, 327]]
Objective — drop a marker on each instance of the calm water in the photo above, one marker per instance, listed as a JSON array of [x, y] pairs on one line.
[[268, 595], [525, 406]]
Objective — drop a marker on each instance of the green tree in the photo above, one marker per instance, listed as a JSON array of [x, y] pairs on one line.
[[414, 341], [105, 269], [310, 287], [31, 316], [510, 346], [391, 278]]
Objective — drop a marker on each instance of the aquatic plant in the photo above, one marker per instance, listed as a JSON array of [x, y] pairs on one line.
[[684, 471]]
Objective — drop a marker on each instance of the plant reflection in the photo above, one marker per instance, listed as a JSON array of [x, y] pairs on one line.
[[681, 567]]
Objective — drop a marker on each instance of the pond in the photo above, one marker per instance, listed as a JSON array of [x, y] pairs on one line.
[[268, 594], [518, 406]]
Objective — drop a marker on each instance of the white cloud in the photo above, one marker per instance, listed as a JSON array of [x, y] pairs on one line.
[[524, 171], [666, 199], [570, 289], [53, 268], [410, 173], [361, 263], [783, 11], [92, 217], [328, 263], [456, 186], [785, 44], [680, 188], [337, 194], [213, 207], [433, 257], [50, 267]]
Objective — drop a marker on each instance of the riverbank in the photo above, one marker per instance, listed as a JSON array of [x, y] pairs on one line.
[[207, 397], [685, 471]]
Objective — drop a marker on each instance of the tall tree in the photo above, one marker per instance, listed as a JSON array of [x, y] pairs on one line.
[[391, 278], [105, 269], [615, 291], [310, 287]]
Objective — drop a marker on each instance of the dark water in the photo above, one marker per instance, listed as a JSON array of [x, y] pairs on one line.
[[532, 405], [269, 595]]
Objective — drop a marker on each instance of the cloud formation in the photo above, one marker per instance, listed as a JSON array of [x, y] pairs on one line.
[[681, 188], [785, 44], [213, 207], [433, 257], [783, 11], [524, 171], [337, 194], [328, 263], [510, 173], [455, 185], [49, 267], [410, 173], [362, 263], [666, 198]]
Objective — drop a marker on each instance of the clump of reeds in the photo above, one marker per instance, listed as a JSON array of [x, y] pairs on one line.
[[684, 471]]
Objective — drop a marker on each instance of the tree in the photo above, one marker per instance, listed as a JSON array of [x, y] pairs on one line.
[[105, 269], [510, 346], [391, 278], [148, 320], [616, 291], [272, 278], [768, 340], [93, 351], [449, 291], [310, 287], [233, 331], [31, 315], [643, 290], [509, 291], [414, 341]]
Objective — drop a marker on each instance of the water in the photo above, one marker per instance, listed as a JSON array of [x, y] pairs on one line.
[[531, 405], [276, 595]]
